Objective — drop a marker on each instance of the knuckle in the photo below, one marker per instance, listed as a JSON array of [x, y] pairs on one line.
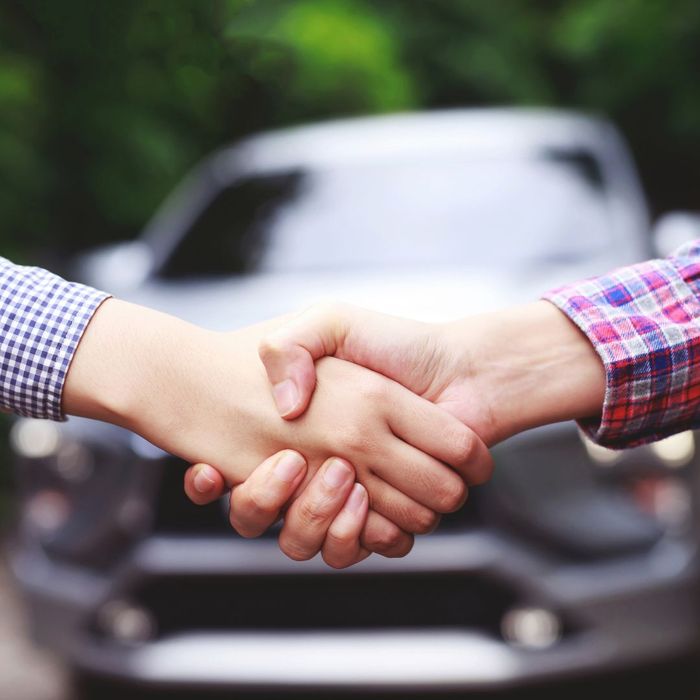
[[257, 501], [241, 526], [451, 494], [373, 389], [385, 539], [270, 346], [335, 561], [294, 549], [310, 513], [242, 529], [463, 446], [401, 548], [354, 439], [425, 521], [266, 346], [246, 512], [338, 538]]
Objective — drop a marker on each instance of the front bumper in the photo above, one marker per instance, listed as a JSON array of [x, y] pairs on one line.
[[618, 613]]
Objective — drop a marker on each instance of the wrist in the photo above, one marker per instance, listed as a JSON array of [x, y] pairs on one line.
[[530, 366]]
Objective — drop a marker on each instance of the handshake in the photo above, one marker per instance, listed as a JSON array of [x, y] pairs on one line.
[[376, 425]]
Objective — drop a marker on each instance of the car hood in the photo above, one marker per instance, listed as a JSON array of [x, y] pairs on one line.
[[437, 294]]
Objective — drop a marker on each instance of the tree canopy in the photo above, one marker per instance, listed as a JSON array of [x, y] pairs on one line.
[[105, 105]]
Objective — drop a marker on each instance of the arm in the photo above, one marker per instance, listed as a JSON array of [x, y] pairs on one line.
[[623, 358], [43, 319], [201, 395], [499, 373]]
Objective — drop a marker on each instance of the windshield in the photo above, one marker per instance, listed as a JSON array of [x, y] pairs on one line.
[[476, 213]]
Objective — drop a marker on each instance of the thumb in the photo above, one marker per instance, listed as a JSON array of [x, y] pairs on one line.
[[289, 353], [204, 484]]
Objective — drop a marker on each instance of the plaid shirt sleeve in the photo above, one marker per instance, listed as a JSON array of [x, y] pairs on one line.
[[644, 322], [42, 319]]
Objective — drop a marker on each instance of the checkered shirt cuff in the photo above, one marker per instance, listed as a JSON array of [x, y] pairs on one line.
[[644, 322], [42, 318]]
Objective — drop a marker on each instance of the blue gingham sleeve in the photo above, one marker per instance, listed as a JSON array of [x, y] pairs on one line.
[[42, 318]]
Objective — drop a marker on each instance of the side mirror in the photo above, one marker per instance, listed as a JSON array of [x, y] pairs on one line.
[[674, 229], [116, 267]]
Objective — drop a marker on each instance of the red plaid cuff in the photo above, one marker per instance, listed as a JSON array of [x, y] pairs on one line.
[[644, 321]]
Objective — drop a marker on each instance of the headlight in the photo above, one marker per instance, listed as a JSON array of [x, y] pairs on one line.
[[675, 451], [531, 628], [83, 488], [35, 439], [602, 456], [651, 475]]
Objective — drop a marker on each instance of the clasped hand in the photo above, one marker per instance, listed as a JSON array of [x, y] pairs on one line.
[[377, 425], [400, 455], [398, 421]]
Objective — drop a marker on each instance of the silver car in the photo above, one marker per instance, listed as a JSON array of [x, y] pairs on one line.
[[574, 560]]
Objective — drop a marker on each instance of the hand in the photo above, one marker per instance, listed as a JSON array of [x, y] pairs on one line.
[[197, 394], [499, 373], [327, 516]]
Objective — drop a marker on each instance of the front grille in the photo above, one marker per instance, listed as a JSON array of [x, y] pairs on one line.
[[331, 601]]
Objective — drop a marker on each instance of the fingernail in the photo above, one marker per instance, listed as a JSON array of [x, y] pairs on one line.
[[337, 473], [289, 466], [204, 480], [286, 396], [356, 499]]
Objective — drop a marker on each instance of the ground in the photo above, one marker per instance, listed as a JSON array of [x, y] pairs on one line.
[[25, 673]]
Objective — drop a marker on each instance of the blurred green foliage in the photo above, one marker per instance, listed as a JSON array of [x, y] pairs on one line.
[[104, 105]]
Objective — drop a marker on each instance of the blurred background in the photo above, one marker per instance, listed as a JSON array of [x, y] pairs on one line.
[[105, 106]]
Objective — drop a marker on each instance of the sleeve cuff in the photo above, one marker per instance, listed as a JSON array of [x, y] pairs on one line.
[[643, 321], [42, 318]]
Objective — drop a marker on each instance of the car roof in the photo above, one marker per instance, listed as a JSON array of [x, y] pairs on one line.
[[490, 133]]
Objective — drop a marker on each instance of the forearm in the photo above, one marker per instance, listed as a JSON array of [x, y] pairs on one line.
[[130, 364], [195, 393], [528, 366], [617, 352]]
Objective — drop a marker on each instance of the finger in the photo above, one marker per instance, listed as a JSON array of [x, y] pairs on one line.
[[421, 477], [257, 502], [288, 354], [342, 547], [382, 536], [203, 484], [407, 514], [434, 431], [308, 519]]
